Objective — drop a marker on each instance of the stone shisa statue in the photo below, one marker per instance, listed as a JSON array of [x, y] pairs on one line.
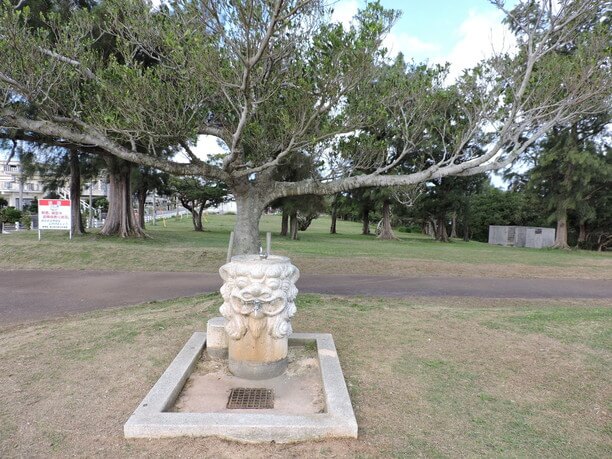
[[254, 333], [258, 301]]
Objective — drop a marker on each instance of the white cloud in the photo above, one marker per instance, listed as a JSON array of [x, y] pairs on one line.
[[344, 12], [480, 36], [411, 47], [206, 146]]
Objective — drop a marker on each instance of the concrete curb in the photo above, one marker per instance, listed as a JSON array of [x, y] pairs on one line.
[[151, 420]]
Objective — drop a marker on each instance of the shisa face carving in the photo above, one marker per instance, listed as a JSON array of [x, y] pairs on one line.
[[258, 297]]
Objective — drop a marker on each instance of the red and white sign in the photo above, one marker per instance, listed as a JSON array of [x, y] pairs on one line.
[[54, 214]]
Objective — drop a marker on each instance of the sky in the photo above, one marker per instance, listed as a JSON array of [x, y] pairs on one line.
[[461, 32]]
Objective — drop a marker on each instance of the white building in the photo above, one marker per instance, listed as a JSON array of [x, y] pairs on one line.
[[99, 188], [21, 192], [17, 191]]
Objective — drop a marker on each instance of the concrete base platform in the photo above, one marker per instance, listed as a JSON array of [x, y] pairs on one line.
[[297, 391], [250, 370], [153, 418]]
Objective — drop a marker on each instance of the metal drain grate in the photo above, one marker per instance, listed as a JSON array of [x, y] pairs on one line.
[[250, 398]]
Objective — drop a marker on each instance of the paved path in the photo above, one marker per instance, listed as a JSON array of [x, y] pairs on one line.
[[36, 295]]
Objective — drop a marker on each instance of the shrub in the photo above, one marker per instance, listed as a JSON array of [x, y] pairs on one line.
[[10, 215], [101, 203], [410, 229], [33, 207], [26, 220]]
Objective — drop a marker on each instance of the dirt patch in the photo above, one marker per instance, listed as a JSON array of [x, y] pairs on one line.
[[298, 391]]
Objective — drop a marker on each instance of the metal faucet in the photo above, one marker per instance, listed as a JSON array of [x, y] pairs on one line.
[[262, 254]]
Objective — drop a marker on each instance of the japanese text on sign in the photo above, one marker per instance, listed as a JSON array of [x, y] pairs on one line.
[[54, 214]]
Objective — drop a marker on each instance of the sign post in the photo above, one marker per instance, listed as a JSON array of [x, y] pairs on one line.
[[54, 214]]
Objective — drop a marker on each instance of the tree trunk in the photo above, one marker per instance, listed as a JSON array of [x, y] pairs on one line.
[[603, 241], [196, 218], [454, 225], [441, 234], [582, 233], [466, 225], [120, 220], [142, 200], [293, 226], [75, 194], [431, 228], [561, 238], [386, 231], [334, 219], [248, 213], [284, 223], [197, 222], [366, 221], [334, 215], [466, 231]]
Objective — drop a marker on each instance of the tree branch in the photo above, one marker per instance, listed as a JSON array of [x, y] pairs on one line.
[[190, 153], [467, 168], [245, 87], [90, 136], [216, 132], [87, 72]]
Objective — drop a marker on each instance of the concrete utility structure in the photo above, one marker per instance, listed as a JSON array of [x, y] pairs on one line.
[[155, 417], [258, 302], [522, 236], [277, 390]]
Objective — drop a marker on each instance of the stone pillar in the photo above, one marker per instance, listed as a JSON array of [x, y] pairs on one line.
[[258, 301], [216, 338]]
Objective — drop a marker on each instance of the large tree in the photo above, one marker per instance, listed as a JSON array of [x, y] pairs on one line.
[[271, 78], [569, 170], [445, 201], [144, 180], [196, 195], [119, 221]]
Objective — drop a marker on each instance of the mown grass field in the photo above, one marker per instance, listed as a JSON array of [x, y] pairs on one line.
[[176, 247], [428, 377]]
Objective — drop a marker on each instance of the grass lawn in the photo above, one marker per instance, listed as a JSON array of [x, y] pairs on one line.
[[433, 377], [177, 248]]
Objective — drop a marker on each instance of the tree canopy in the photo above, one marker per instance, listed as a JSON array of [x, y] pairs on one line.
[[273, 79]]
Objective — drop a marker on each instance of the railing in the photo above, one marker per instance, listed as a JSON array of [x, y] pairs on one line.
[[85, 207], [166, 214], [98, 222], [12, 170]]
